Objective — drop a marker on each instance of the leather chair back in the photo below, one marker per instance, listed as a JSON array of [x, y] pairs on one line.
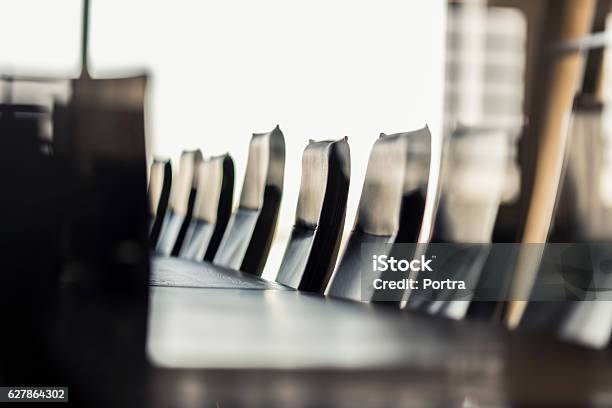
[[247, 239], [391, 206], [312, 250], [160, 183], [212, 208], [180, 210]]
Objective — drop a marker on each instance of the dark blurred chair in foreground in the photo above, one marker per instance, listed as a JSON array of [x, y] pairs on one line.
[[179, 212], [160, 184], [391, 207], [36, 198], [212, 208], [102, 312]]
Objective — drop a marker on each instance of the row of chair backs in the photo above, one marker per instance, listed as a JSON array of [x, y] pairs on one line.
[[391, 207], [475, 179], [247, 239], [212, 208], [180, 209], [312, 249]]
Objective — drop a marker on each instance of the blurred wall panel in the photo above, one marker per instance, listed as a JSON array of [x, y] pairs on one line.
[[492, 50], [40, 37], [485, 66]]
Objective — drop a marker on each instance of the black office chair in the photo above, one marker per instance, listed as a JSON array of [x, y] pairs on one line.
[[160, 183], [247, 239], [312, 249], [180, 210], [475, 166], [212, 209], [390, 209]]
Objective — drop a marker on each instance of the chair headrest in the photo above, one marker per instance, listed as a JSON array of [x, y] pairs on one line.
[[210, 175], [161, 175], [185, 180], [265, 168], [119, 93], [398, 166], [321, 162]]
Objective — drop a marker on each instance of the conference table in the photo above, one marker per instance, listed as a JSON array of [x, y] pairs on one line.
[[218, 347]]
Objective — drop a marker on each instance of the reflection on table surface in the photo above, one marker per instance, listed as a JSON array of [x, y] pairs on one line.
[[286, 348], [233, 328]]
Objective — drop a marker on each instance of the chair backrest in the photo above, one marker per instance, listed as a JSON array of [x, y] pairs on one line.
[[103, 139], [182, 199], [212, 208], [160, 183], [390, 208], [311, 253], [246, 242], [475, 165]]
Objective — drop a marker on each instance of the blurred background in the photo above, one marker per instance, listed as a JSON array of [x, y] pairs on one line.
[[223, 70], [532, 71], [220, 71]]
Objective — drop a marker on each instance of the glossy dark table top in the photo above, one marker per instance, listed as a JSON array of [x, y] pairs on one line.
[[233, 347], [229, 328], [292, 349], [171, 271]]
